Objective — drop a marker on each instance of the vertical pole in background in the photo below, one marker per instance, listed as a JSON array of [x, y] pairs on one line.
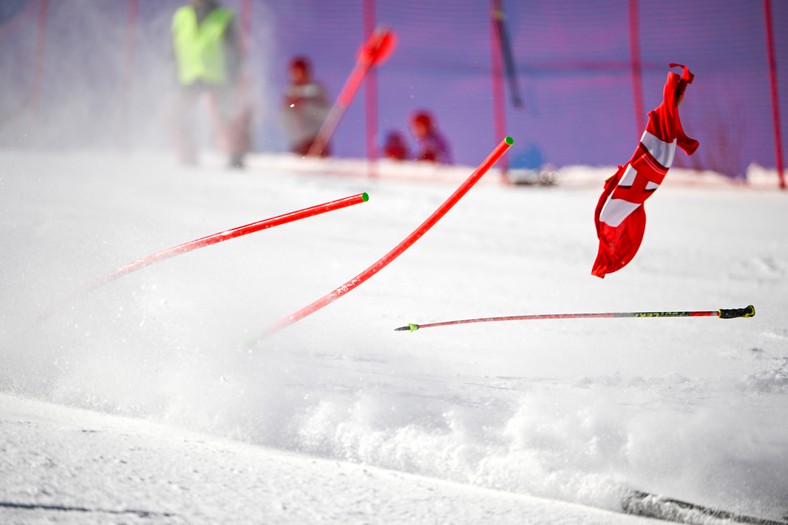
[[767, 7], [246, 26], [40, 52], [634, 57], [371, 94], [499, 104], [128, 73]]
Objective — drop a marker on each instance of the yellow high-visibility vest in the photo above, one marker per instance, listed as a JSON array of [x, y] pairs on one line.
[[199, 47]]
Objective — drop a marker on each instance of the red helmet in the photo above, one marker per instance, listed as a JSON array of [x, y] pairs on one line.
[[422, 117], [301, 63]]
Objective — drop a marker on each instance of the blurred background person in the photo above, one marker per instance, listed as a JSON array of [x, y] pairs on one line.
[[433, 147], [395, 147], [305, 107], [208, 59]]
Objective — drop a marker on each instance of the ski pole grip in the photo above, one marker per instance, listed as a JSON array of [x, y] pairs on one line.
[[732, 313]]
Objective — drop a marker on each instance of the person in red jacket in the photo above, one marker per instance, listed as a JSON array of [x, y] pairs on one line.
[[620, 217], [395, 146], [434, 147]]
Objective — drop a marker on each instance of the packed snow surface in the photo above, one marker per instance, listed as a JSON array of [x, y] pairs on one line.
[[155, 396]]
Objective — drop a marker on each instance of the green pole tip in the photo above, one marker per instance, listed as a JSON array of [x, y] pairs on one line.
[[509, 140], [364, 196], [410, 328]]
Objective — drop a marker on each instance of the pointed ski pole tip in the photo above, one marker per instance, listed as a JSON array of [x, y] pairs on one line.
[[409, 328]]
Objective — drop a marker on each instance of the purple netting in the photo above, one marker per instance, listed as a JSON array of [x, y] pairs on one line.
[[574, 62]]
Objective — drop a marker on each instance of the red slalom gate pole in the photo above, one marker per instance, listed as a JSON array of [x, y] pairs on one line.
[[748, 311], [215, 238], [374, 52], [235, 232], [384, 261]]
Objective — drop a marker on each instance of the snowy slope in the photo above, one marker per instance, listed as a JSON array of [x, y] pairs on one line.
[[571, 411], [73, 466]]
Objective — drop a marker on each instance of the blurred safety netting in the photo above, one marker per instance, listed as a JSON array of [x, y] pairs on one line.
[[99, 73]]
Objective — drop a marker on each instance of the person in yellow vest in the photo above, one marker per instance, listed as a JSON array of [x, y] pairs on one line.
[[208, 59]]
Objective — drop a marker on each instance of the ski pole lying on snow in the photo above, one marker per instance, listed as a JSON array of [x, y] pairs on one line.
[[406, 243], [374, 51], [216, 238], [732, 313]]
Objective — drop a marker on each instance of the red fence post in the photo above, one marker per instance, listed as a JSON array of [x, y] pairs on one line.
[[399, 249], [634, 56], [371, 93], [767, 7]]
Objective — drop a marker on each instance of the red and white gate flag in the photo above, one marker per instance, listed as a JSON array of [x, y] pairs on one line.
[[620, 217]]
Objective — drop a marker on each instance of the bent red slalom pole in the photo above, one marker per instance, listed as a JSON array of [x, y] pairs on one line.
[[213, 239], [748, 311], [235, 232], [374, 52], [415, 235]]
